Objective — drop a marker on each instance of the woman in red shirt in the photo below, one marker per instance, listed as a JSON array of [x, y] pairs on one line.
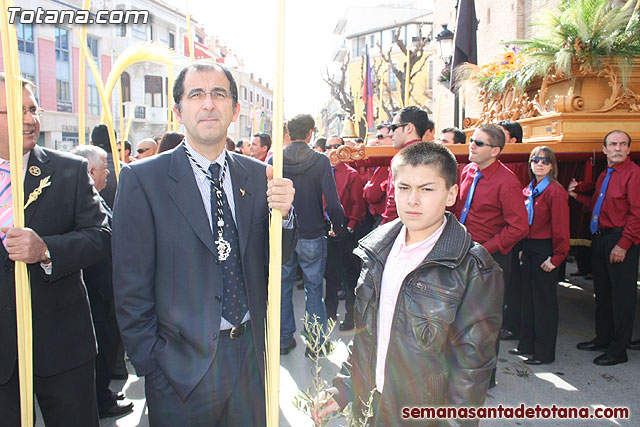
[[544, 249]]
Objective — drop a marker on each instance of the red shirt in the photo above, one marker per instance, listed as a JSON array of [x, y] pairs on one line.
[[375, 191], [349, 186], [621, 204], [390, 212], [497, 217], [551, 219]]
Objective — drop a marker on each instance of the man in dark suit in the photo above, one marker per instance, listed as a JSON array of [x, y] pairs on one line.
[[65, 231], [98, 280], [192, 309]]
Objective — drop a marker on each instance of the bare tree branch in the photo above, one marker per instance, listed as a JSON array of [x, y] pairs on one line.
[[339, 87]]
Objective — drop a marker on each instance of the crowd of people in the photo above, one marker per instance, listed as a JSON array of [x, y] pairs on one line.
[[436, 262]]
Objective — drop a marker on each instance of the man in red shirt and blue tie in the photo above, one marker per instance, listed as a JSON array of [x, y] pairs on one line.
[[615, 225], [491, 206]]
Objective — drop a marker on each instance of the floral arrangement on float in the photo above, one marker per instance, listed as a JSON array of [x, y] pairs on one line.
[[586, 58]]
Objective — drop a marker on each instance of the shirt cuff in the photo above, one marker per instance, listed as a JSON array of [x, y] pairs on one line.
[[625, 243], [48, 268], [288, 221]]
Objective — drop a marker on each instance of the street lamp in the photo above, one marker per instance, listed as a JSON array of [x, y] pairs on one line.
[[445, 44]]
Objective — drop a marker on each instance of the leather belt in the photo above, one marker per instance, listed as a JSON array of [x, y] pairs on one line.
[[236, 331], [604, 231]]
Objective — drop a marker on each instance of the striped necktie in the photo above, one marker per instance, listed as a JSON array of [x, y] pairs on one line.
[[6, 207]]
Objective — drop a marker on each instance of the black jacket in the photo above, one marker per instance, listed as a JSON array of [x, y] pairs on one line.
[[442, 343], [312, 178], [68, 217]]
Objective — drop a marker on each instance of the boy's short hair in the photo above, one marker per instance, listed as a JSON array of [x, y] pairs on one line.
[[428, 154]]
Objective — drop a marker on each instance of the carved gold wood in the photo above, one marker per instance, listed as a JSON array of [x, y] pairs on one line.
[[582, 91]]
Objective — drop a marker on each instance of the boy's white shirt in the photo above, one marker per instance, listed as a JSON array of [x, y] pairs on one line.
[[401, 261]]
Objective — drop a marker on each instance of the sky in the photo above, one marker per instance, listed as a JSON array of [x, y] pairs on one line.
[[249, 28]]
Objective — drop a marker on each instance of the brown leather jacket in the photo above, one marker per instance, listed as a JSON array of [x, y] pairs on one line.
[[447, 318]]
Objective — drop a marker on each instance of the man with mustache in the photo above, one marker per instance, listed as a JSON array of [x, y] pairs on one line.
[[615, 225]]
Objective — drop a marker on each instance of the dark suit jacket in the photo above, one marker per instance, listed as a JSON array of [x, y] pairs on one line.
[[98, 280], [68, 217], [168, 302]]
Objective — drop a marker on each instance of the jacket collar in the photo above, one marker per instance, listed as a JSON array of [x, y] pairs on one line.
[[184, 192], [450, 249]]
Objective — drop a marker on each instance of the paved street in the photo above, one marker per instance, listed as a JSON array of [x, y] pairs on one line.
[[571, 381]]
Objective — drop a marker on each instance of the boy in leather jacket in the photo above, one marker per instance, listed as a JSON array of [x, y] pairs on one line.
[[428, 303]]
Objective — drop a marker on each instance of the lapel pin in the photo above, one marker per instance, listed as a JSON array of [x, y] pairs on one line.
[[242, 192], [44, 183], [34, 170]]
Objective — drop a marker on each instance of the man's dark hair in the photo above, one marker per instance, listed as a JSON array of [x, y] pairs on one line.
[[100, 138], [265, 139], [514, 129], [430, 125], [418, 117], [170, 140], [458, 136], [382, 127], [178, 86], [617, 131], [127, 145], [300, 126], [321, 143], [427, 154], [496, 135]]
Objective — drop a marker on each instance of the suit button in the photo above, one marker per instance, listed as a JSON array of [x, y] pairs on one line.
[[215, 337], [218, 298]]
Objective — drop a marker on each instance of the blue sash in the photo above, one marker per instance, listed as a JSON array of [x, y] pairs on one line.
[[535, 192]]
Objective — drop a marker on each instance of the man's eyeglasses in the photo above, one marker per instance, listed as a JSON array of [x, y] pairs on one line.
[[333, 146], [381, 136], [35, 111], [480, 143], [545, 160], [394, 126], [142, 150]]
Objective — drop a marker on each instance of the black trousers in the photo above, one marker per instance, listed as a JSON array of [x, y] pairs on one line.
[[505, 263], [511, 312], [231, 393], [539, 326], [108, 338], [341, 262], [615, 288], [67, 399]]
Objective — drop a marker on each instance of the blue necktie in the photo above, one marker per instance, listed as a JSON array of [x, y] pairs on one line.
[[596, 210], [234, 294], [467, 204]]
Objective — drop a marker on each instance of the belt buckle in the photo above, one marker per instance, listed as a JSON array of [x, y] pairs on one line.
[[237, 331]]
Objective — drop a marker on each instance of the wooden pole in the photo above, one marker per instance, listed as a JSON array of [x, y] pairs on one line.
[[272, 328], [24, 328], [86, 5], [190, 34], [407, 77]]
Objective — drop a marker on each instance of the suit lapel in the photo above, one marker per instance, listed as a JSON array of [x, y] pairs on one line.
[[37, 169], [243, 199], [185, 194]]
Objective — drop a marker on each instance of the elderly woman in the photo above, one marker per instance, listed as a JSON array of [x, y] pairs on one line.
[[544, 249]]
